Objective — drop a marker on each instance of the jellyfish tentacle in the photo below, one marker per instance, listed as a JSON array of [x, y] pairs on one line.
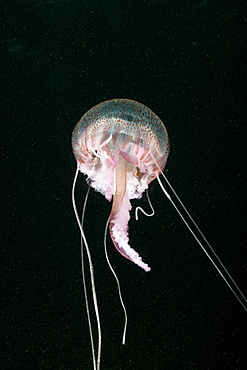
[[119, 217], [142, 210]]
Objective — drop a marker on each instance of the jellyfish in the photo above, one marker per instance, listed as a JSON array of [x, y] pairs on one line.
[[122, 146]]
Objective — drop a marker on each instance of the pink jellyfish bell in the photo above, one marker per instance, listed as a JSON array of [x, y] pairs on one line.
[[121, 145]]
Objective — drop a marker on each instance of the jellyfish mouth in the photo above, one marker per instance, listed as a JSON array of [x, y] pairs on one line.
[[120, 216]]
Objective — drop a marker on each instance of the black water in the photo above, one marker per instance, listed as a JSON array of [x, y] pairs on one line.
[[184, 60]]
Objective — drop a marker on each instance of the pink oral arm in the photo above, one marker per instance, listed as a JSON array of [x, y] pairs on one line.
[[119, 217]]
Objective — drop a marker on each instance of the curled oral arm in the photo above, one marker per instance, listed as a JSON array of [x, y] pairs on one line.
[[119, 217]]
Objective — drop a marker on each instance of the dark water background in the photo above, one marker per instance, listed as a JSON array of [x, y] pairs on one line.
[[185, 60]]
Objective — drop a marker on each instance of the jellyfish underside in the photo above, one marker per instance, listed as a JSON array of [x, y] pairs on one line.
[[121, 169]]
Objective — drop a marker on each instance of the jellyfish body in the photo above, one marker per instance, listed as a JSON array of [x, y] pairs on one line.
[[121, 145]]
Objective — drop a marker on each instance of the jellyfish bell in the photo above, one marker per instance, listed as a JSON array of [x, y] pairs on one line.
[[121, 145]]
